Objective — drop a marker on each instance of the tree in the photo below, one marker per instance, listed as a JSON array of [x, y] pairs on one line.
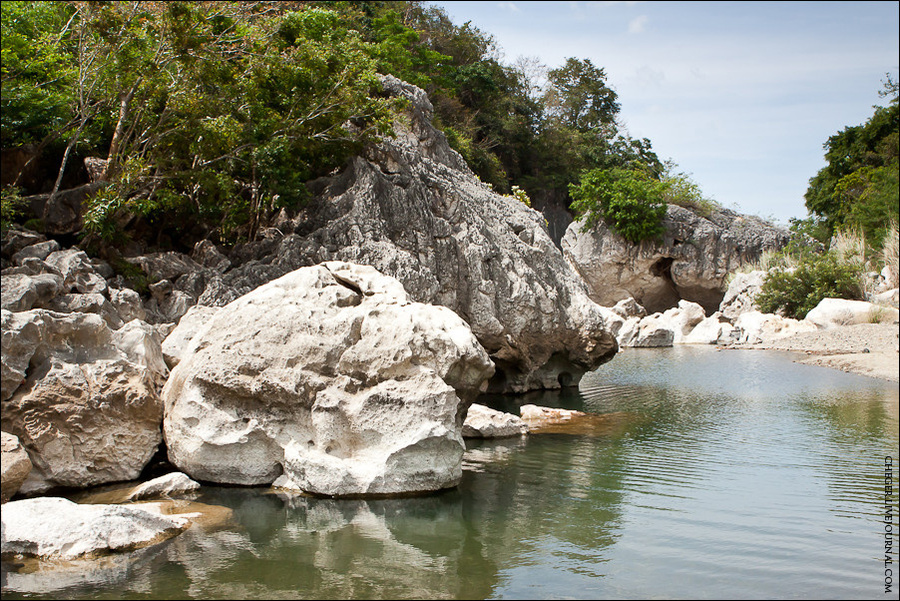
[[858, 187], [630, 201], [579, 97]]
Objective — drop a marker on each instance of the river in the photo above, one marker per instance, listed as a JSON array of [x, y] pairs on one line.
[[707, 474]]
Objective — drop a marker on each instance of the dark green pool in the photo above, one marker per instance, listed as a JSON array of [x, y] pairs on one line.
[[720, 474]]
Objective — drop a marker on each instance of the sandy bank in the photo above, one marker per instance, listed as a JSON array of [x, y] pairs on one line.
[[867, 349]]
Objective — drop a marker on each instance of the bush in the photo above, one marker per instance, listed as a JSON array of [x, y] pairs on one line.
[[795, 292], [630, 202]]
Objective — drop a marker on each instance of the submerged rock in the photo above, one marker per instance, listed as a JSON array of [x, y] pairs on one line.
[[58, 529], [332, 377], [171, 484], [484, 422]]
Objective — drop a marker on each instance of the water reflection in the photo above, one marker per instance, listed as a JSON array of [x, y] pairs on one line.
[[702, 474]]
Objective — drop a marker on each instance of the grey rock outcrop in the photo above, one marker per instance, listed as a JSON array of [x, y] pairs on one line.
[[15, 466], [82, 398], [412, 209], [332, 377], [740, 296], [690, 263]]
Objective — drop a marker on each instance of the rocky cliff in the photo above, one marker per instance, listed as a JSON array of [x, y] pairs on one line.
[[412, 209], [690, 263]]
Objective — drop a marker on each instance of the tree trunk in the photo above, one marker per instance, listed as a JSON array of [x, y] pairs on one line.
[[124, 110]]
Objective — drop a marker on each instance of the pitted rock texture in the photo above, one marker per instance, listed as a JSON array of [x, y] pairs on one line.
[[82, 398], [412, 209], [691, 262], [330, 378]]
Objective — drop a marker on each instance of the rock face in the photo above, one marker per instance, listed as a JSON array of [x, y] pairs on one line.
[[691, 263], [15, 466], [81, 398], [413, 210], [484, 422], [332, 377], [80, 530]]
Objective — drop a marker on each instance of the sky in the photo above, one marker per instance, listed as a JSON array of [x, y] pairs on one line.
[[741, 95]]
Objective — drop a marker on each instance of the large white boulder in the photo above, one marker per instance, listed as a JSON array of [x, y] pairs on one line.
[[834, 312], [753, 327], [56, 528], [332, 377]]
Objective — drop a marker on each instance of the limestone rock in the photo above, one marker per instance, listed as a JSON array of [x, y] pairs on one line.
[[173, 484], [535, 415], [87, 411], [484, 422], [753, 327], [690, 263], [75, 531], [741, 294], [62, 213], [77, 270], [15, 466], [127, 303], [653, 331], [412, 209], [683, 319], [88, 303], [17, 292], [833, 312], [712, 330], [174, 345], [331, 376], [38, 251]]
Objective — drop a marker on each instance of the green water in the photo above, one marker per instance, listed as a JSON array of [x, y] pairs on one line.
[[731, 474]]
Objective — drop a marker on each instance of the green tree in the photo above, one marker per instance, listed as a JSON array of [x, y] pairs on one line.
[[630, 201], [579, 97], [858, 186]]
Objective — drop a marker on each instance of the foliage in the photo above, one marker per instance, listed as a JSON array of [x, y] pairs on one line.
[[630, 201], [213, 116], [859, 186], [11, 204], [520, 195], [795, 292], [37, 71]]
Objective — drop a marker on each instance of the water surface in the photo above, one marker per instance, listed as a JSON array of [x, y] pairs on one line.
[[714, 474]]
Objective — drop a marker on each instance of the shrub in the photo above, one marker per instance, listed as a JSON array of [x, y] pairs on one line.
[[795, 292], [630, 202]]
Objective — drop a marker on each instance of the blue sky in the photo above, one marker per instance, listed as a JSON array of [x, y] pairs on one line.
[[741, 95]]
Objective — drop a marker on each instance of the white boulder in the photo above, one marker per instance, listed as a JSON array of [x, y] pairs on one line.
[[834, 312], [484, 422], [56, 528], [332, 377]]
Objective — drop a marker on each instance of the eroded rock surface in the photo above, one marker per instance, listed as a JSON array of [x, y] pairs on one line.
[[331, 377], [690, 263], [80, 530], [82, 398], [412, 209]]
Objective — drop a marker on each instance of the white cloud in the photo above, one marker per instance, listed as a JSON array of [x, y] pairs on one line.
[[510, 6], [636, 25]]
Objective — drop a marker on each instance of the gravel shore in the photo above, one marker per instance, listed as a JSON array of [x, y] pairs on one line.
[[867, 349]]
